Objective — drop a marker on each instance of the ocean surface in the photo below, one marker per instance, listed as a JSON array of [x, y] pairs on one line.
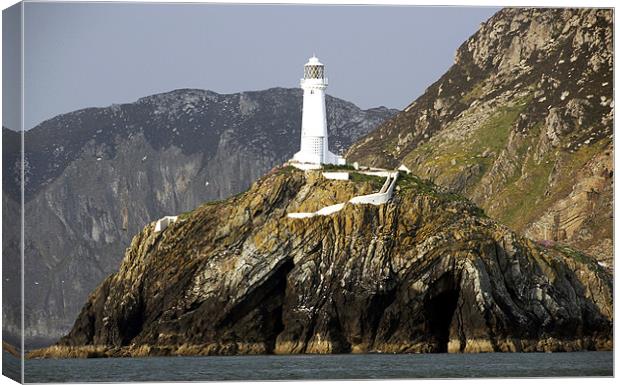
[[371, 366]]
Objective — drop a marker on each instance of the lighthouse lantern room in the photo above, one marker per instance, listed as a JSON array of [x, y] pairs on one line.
[[314, 148]]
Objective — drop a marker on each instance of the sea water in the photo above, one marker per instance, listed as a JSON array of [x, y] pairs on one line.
[[294, 367]]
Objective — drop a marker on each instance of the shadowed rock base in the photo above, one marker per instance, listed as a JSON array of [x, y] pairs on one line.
[[325, 347]]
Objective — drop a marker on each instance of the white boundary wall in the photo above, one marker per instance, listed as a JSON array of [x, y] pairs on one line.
[[382, 173], [384, 195], [306, 166], [404, 168], [336, 175], [330, 209], [327, 210], [164, 222]]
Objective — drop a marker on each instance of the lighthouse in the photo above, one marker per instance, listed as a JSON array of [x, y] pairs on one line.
[[314, 148]]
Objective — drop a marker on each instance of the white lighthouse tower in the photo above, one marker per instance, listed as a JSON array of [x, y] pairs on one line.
[[314, 147]]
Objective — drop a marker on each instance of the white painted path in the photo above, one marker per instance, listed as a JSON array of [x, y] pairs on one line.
[[379, 198]]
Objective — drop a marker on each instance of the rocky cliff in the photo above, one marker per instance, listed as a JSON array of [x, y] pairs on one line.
[[427, 272], [95, 177], [522, 124]]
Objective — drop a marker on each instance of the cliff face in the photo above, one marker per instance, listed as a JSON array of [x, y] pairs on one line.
[[522, 124], [427, 272], [95, 177]]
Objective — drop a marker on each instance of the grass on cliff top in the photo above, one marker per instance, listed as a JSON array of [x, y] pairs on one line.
[[375, 181], [284, 170], [414, 185], [335, 167]]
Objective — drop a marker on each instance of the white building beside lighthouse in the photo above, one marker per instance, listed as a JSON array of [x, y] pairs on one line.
[[314, 148]]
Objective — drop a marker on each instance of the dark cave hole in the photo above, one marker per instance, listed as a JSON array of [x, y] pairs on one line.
[[439, 313], [132, 325], [279, 292], [266, 302]]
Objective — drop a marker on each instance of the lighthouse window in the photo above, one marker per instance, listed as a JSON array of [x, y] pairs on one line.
[[313, 72]]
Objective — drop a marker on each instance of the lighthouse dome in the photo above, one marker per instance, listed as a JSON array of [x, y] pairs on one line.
[[314, 61]]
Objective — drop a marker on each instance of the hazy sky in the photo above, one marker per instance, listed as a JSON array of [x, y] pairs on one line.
[[85, 55]]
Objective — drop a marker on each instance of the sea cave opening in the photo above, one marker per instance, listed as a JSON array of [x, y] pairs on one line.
[[439, 311], [132, 323]]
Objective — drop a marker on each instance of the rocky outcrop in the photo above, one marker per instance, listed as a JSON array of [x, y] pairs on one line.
[[522, 124], [583, 217], [426, 272], [95, 177]]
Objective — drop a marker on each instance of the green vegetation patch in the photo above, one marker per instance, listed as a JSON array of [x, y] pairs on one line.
[[409, 184], [525, 198], [574, 254], [451, 156], [519, 200], [473, 94], [334, 167], [580, 257], [375, 181], [286, 170]]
